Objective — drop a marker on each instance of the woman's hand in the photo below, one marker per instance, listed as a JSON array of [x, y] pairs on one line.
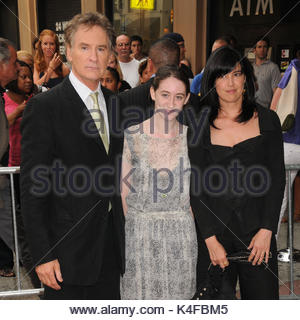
[[17, 113], [217, 252], [21, 108], [55, 61], [260, 245]]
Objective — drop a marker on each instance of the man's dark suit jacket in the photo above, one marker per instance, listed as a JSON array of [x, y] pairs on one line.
[[3, 128], [136, 105], [61, 149]]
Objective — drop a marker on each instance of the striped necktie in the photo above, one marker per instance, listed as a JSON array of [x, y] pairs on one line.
[[99, 120], [100, 124]]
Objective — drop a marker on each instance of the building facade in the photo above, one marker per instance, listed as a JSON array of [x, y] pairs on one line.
[[199, 21]]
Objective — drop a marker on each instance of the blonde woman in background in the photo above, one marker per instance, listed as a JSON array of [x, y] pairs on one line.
[[26, 57]]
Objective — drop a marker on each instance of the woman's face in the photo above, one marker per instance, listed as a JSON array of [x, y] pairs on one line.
[[25, 80], [48, 46], [169, 97], [112, 61], [230, 87], [109, 82]]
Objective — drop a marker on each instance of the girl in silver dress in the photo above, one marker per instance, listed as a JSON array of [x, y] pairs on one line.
[[161, 243]]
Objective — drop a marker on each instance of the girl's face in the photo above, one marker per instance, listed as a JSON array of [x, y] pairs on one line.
[[170, 97], [48, 46], [25, 80], [109, 82]]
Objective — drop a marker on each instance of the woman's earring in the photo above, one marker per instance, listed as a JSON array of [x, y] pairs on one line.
[[243, 94], [244, 90]]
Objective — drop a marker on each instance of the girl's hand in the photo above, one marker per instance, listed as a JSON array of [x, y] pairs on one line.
[[217, 252]]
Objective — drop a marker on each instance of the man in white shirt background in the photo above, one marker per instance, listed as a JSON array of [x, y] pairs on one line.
[[129, 65]]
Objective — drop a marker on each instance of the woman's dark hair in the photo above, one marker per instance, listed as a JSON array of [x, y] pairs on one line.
[[114, 72], [221, 62], [13, 85], [142, 67], [170, 71]]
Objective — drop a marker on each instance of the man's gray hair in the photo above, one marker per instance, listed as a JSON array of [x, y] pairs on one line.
[[90, 20], [4, 50]]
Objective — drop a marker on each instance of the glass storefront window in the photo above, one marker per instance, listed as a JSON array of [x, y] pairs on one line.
[[149, 19]]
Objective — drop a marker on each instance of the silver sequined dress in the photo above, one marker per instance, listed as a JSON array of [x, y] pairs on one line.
[[161, 244]]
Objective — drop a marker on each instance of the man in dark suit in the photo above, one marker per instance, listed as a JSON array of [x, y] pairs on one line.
[[69, 189], [136, 104], [8, 72]]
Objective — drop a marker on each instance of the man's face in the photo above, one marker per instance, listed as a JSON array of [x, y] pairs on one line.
[[89, 55], [9, 69], [261, 50], [136, 47], [123, 47], [182, 49]]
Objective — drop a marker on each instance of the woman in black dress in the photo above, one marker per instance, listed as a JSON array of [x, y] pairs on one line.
[[238, 176]]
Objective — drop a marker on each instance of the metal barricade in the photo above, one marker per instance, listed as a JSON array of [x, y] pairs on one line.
[[19, 291], [290, 249]]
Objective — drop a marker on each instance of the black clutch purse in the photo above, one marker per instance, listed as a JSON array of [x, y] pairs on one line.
[[217, 285]]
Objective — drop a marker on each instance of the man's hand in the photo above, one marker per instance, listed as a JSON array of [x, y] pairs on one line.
[[48, 273]]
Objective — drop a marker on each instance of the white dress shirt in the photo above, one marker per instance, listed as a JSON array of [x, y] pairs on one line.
[[84, 93]]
